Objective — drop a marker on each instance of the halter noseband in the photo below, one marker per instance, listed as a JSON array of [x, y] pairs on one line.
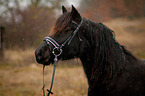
[[57, 50]]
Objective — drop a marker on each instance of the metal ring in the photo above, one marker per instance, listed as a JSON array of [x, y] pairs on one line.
[[57, 48]]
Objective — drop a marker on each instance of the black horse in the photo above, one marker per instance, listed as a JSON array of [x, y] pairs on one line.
[[111, 69]]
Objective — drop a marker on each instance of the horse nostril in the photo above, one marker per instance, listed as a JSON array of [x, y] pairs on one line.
[[39, 56]]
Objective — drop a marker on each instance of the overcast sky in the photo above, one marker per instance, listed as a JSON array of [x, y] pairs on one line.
[[73, 2]]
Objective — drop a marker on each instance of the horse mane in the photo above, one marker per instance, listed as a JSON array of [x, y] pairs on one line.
[[127, 52], [61, 24], [108, 53]]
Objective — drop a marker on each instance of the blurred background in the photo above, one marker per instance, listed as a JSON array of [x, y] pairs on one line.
[[24, 24]]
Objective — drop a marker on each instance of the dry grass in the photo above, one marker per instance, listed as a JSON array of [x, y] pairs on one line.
[[21, 76], [27, 81]]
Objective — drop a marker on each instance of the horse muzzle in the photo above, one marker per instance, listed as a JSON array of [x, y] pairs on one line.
[[43, 55]]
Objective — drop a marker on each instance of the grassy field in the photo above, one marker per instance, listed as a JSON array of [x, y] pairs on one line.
[[27, 81], [20, 75]]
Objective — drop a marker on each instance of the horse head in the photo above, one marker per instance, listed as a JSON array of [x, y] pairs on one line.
[[64, 40]]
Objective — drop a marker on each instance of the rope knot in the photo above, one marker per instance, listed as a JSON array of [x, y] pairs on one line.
[[49, 92]]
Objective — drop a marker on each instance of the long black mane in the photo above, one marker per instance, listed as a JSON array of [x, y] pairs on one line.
[[109, 56]]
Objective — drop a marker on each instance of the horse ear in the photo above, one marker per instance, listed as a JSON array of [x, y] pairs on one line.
[[75, 13], [63, 9]]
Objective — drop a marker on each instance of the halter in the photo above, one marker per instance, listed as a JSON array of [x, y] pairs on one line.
[[58, 47], [57, 51]]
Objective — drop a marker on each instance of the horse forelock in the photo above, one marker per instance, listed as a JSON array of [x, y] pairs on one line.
[[61, 24]]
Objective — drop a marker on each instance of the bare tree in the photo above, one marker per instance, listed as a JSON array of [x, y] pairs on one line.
[[26, 24]]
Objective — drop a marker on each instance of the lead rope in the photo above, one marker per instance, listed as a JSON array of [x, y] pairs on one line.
[[49, 91], [43, 81]]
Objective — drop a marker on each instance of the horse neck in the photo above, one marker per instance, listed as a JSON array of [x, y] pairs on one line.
[[104, 55]]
